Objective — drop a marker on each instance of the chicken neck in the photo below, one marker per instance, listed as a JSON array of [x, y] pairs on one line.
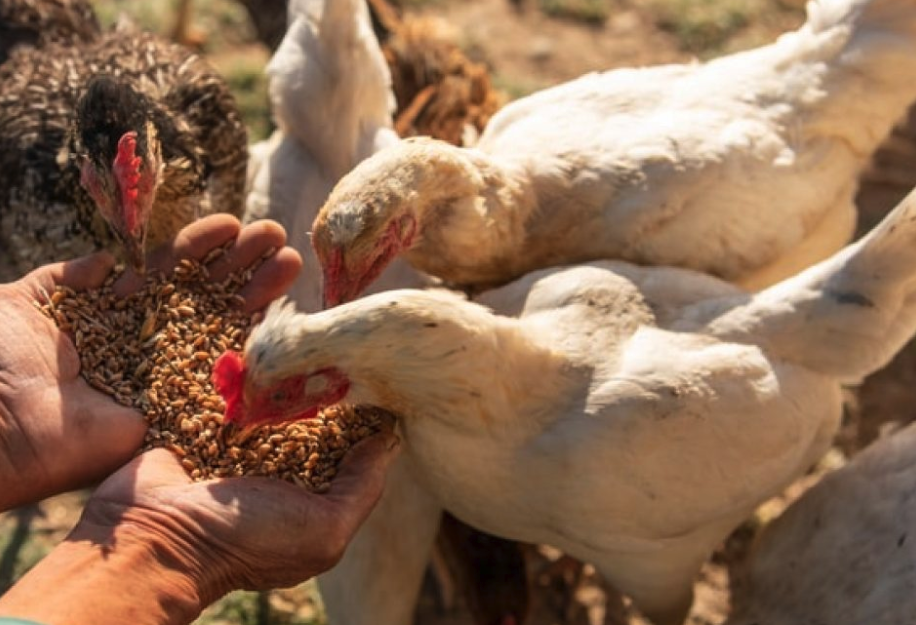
[[472, 212], [456, 361]]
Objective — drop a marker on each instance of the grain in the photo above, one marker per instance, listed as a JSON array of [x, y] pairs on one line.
[[154, 350]]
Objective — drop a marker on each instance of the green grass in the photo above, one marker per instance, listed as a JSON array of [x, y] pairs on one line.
[[587, 11], [237, 608], [244, 73], [515, 87], [703, 25], [711, 27], [153, 16], [224, 22], [53, 521], [36, 547], [295, 606]]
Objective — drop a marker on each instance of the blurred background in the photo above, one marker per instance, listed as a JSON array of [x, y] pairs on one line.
[[524, 45]]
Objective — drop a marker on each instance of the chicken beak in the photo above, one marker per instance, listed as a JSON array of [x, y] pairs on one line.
[[330, 297], [338, 290], [233, 434], [134, 252]]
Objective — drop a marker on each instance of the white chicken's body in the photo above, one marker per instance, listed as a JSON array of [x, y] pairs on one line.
[[331, 95], [844, 553], [743, 167], [639, 451], [712, 167], [632, 447], [630, 416]]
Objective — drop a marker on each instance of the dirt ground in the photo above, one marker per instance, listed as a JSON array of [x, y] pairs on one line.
[[525, 50]]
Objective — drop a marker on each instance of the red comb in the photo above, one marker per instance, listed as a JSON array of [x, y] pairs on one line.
[[126, 169], [229, 379]]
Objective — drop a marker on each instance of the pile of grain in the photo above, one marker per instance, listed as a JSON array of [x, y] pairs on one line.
[[154, 350]]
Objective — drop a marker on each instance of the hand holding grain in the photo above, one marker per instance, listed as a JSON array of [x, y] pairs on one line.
[[253, 532], [57, 432], [155, 548]]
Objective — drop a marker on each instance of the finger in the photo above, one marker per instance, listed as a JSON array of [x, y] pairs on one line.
[[272, 279], [160, 467], [100, 436], [79, 274], [144, 473], [253, 242], [196, 240], [193, 241], [361, 476]]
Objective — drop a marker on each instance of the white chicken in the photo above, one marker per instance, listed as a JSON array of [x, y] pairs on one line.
[[844, 553], [331, 96], [630, 416], [743, 167]]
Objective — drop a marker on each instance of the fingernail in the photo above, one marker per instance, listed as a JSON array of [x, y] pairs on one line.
[[393, 442], [387, 421]]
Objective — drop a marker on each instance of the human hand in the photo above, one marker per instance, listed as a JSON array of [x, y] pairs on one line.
[[253, 533], [154, 548], [57, 432]]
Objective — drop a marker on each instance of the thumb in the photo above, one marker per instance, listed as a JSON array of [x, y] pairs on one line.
[[82, 273], [361, 477], [92, 420], [113, 427]]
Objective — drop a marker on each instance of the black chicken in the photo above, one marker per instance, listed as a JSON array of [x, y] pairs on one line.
[[122, 139], [39, 22]]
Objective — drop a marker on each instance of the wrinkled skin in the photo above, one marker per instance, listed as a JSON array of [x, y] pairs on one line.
[[250, 533], [54, 428]]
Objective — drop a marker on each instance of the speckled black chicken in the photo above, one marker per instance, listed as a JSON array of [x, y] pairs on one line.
[[39, 22], [112, 144]]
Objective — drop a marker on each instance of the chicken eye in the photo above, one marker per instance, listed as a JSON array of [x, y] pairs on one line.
[[279, 396]]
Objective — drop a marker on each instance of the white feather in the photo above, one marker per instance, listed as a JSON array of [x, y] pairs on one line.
[[331, 96], [842, 554]]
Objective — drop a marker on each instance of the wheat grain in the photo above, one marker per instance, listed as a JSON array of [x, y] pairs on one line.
[[154, 350]]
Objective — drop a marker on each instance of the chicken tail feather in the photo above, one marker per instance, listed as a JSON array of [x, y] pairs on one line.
[[846, 316]]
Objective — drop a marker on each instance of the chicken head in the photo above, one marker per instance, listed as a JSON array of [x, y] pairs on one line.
[[355, 250], [251, 403], [120, 161]]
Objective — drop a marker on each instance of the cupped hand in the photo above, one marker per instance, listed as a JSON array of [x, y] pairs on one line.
[[250, 533], [57, 432]]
